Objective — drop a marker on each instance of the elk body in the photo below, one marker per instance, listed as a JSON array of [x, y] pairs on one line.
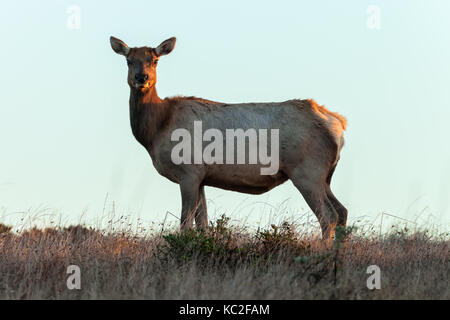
[[310, 140]]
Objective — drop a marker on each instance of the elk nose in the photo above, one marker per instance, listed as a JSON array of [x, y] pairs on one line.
[[141, 78]]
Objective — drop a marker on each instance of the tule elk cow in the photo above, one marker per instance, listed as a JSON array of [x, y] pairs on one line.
[[306, 140]]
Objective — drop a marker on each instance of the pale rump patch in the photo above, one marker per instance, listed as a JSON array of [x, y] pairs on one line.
[[336, 124], [328, 115]]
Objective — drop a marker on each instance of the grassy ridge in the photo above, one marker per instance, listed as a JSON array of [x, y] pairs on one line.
[[222, 262]]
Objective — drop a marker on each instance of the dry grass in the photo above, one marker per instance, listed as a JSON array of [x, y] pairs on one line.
[[222, 263]]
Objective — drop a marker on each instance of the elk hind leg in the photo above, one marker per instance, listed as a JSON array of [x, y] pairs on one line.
[[340, 209], [315, 195]]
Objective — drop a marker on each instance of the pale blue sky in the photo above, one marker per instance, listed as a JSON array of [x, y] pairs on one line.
[[64, 126]]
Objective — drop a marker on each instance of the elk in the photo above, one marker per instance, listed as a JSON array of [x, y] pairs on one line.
[[310, 141]]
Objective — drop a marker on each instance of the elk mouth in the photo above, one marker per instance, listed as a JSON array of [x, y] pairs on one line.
[[139, 85]]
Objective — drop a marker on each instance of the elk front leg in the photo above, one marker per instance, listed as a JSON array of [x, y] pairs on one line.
[[201, 215], [190, 198]]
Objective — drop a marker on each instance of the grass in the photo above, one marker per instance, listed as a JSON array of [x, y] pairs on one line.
[[222, 262]]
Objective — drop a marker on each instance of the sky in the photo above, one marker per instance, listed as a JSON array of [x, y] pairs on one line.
[[66, 145]]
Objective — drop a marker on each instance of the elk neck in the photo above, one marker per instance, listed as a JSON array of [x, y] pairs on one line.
[[148, 113]]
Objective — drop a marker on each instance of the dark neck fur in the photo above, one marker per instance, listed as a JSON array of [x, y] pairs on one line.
[[148, 114]]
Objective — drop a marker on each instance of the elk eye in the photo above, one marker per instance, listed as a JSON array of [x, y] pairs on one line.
[[128, 62]]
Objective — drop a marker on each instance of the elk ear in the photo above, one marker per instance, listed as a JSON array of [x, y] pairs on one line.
[[119, 46], [165, 47]]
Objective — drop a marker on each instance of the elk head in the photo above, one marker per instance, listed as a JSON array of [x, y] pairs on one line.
[[142, 61]]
